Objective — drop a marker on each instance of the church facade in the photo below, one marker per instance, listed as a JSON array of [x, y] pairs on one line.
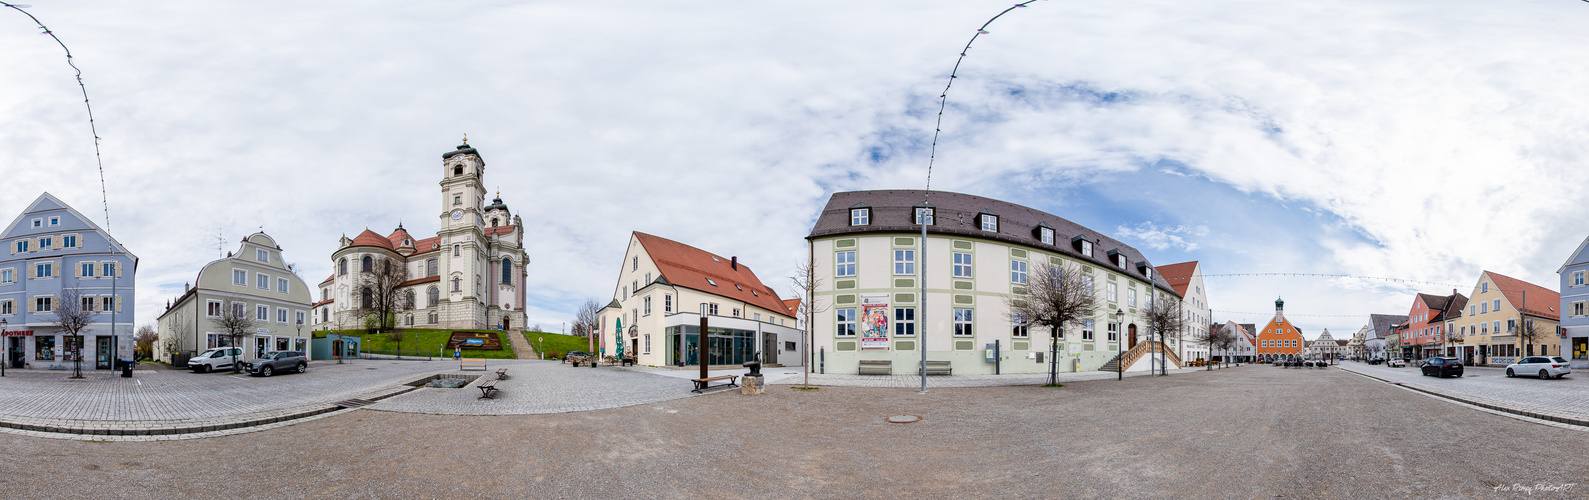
[[470, 275]]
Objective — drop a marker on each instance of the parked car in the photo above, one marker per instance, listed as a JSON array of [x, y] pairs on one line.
[[1441, 367], [276, 362], [1396, 363], [213, 359], [1544, 366]]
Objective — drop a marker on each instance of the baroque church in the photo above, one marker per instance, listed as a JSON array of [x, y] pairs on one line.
[[470, 275]]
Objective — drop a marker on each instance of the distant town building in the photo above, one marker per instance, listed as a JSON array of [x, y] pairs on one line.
[[1507, 318], [54, 253], [1379, 342], [1429, 323], [1326, 346], [1280, 339], [1574, 309], [665, 287], [469, 276], [254, 281], [1187, 280]]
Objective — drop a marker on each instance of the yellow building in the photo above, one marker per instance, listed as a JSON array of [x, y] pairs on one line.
[[1491, 329]]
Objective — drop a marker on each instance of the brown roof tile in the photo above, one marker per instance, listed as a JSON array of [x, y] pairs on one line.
[[368, 238], [1179, 275], [690, 267], [1542, 301]]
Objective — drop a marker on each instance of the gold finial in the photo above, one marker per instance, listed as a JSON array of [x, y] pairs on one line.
[[465, 137]]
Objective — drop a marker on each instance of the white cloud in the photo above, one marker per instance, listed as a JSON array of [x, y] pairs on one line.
[[1435, 137], [1153, 236]]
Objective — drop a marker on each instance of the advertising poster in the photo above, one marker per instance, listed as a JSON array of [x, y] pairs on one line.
[[874, 321]]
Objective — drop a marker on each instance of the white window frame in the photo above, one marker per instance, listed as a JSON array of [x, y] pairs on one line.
[[220, 308], [646, 304], [1577, 278], [8, 307], [44, 270], [282, 315], [1131, 296], [55, 221], [1087, 326], [930, 214], [1019, 326], [904, 262], [8, 275], [964, 322], [302, 315], [1114, 332], [239, 277], [43, 303], [1046, 235], [1018, 273], [261, 313], [283, 285], [1112, 292], [1086, 248], [1497, 305], [262, 281], [667, 303], [262, 255], [646, 344], [904, 322], [988, 222], [86, 269], [844, 264], [1086, 286], [962, 265], [843, 322], [21, 246], [860, 216]]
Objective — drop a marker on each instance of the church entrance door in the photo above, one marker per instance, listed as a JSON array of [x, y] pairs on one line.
[[1133, 331]]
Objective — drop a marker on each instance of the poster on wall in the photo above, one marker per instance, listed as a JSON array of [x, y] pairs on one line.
[[874, 321]]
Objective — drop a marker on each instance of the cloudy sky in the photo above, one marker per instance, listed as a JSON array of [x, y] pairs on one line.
[[1418, 140]]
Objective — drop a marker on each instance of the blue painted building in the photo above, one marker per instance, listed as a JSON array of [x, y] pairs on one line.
[[1574, 302], [52, 252]]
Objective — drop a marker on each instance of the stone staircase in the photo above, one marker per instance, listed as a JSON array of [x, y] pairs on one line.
[[1137, 353]]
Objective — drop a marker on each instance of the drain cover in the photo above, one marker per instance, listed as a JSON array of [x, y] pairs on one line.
[[354, 403], [903, 419]]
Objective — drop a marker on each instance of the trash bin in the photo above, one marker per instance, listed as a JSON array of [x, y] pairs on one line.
[[126, 368]]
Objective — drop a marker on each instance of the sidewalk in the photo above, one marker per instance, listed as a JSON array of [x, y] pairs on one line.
[[908, 381], [1565, 401]]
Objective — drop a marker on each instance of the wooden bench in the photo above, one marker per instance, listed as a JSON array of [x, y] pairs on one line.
[[939, 368], [466, 364], [702, 384], [876, 367], [488, 389], [502, 373]]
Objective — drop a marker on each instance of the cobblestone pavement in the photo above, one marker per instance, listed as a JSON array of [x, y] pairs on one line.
[[1567, 396], [1255, 432], [549, 387], [909, 381]]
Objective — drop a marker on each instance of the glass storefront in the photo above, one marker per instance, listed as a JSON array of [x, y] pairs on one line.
[[723, 346], [44, 348]]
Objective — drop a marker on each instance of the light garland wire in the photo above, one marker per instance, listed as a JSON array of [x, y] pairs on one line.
[[104, 197]]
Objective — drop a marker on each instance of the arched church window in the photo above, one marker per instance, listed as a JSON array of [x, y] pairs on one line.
[[507, 272], [342, 267], [408, 299], [368, 264], [366, 298], [432, 297], [457, 284], [493, 222]]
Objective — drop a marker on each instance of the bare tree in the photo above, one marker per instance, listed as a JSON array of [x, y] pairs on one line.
[[1163, 318], [806, 283], [1215, 338], [72, 318], [145, 338], [1528, 334], [1056, 295], [380, 292], [237, 323], [588, 318]]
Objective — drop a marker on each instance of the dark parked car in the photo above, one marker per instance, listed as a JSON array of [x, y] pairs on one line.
[[277, 361], [1441, 367]]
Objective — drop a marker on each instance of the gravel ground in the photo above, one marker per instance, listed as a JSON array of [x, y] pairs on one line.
[[1249, 432]]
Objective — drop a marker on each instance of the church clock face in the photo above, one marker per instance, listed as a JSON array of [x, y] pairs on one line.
[[457, 214]]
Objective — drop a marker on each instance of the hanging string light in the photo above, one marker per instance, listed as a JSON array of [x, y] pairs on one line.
[[104, 198]]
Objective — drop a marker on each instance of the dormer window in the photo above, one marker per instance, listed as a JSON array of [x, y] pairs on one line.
[[924, 215], [989, 222], [737, 287], [1082, 245], [1117, 258], [860, 216], [407, 243], [1046, 235], [710, 282]]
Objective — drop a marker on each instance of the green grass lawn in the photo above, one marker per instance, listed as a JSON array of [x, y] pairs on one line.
[[419, 339], [556, 343]]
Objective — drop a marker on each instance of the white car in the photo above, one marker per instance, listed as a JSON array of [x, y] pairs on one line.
[[213, 359], [1543, 366], [1396, 363]]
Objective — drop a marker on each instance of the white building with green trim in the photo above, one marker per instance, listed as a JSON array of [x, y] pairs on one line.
[[255, 281], [865, 250]]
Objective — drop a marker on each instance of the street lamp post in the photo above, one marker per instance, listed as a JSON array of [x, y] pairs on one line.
[[7, 346], [1120, 369]]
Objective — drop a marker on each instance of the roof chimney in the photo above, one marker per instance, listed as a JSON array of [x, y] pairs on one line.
[[733, 262]]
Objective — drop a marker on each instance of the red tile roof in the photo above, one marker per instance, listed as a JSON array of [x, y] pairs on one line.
[[691, 267], [430, 244], [329, 279], [1542, 301], [398, 236], [493, 231], [1179, 275], [368, 238], [323, 302], [793, 305]]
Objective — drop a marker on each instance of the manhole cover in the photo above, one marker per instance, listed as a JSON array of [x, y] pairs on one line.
[[903, 419]]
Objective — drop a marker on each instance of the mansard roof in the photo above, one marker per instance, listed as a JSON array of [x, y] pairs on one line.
[[954, 214]]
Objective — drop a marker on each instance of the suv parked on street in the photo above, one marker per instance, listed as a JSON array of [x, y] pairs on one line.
[[1441, 367], [277, 361], [209, 361], [1544, 366]]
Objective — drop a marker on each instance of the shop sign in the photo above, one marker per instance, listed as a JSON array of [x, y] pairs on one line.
[[874, 321], [19, 333]]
